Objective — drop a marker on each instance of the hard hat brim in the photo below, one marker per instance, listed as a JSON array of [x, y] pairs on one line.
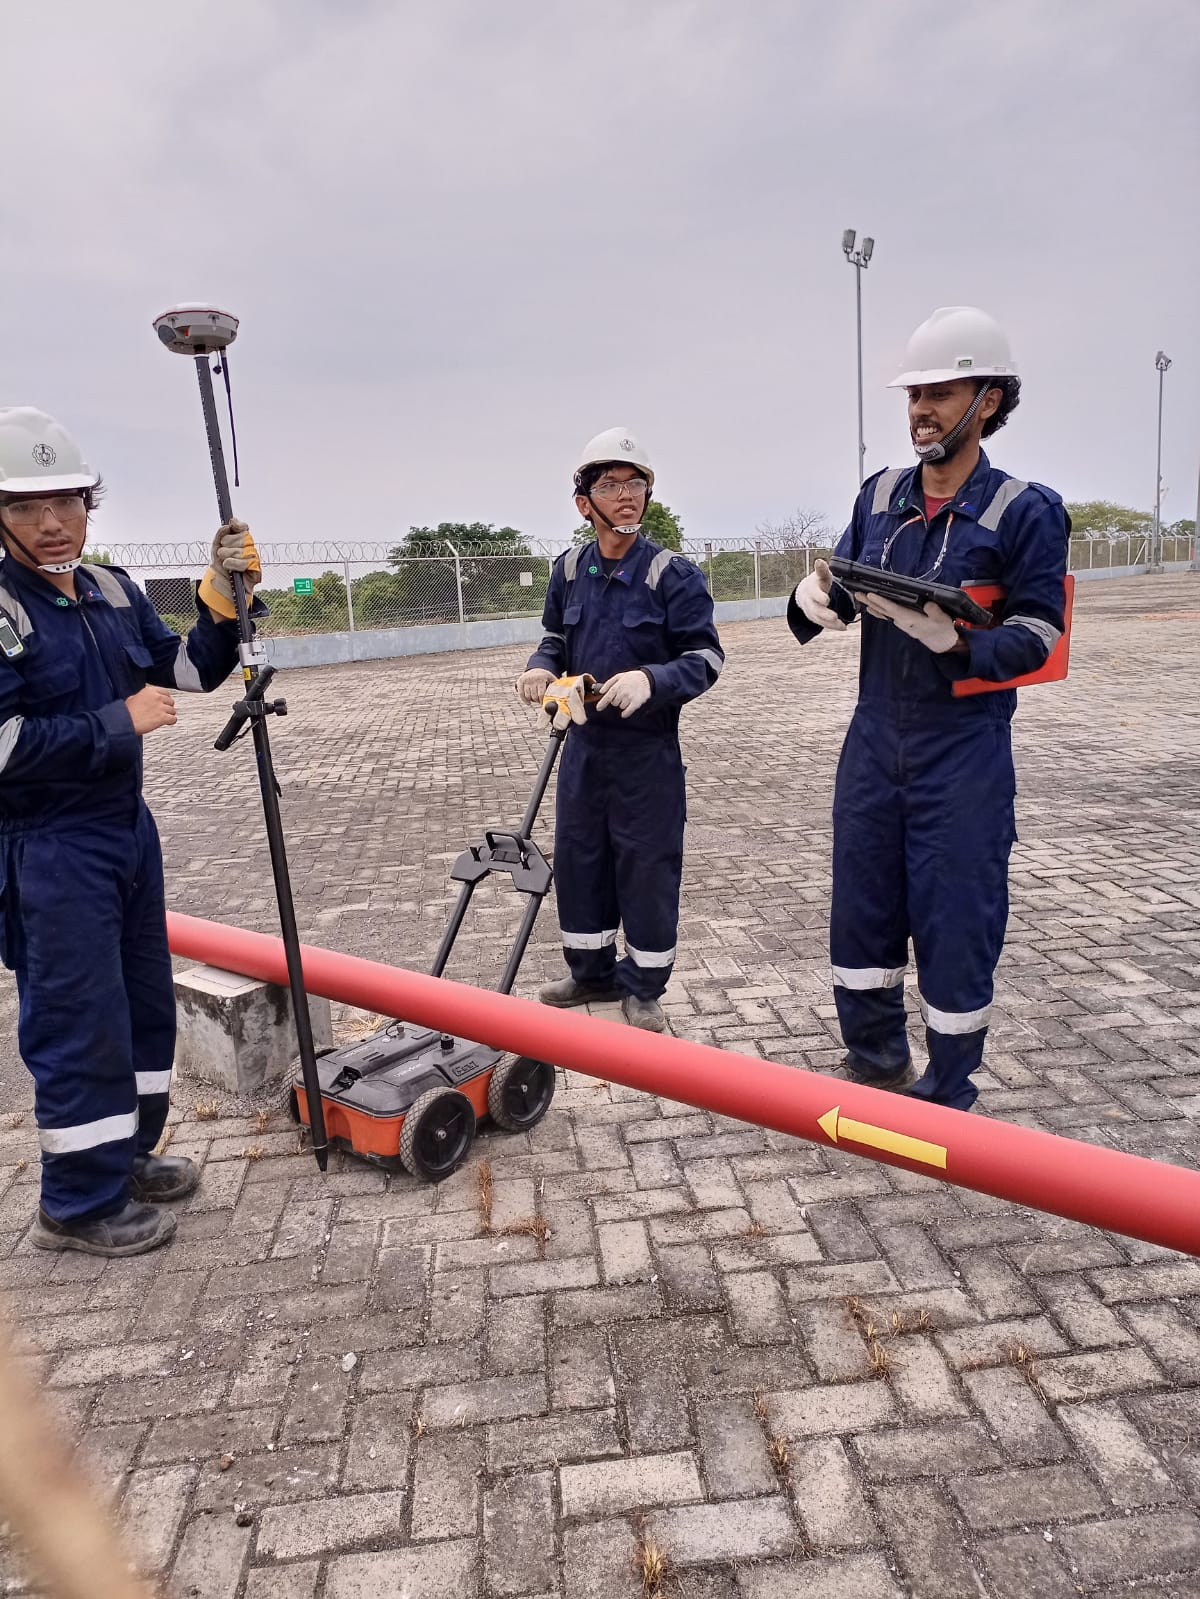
[[949, 374], [48, 485]]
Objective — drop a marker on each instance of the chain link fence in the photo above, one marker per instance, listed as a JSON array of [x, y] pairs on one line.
[[340, 588]]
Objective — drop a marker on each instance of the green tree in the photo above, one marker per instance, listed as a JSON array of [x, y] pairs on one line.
[[659, 523], [490, 563], [1102, 519], [98, 558]]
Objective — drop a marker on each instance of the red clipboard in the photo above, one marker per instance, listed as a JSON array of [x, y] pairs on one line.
[[1057, 662]]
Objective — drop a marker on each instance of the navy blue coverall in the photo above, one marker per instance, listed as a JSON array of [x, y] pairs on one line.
[[923, 811], [82, 911], [621, 808]]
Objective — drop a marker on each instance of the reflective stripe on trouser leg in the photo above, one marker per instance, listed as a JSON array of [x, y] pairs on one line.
[[868, 917], [584, 873], [149, 986], [958, 850], [646, 825], [66, 893]]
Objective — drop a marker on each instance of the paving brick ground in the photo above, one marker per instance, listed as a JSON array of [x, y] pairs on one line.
[[678, 1362]]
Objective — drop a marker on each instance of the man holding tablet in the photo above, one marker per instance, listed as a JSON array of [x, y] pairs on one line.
[[923, 814]]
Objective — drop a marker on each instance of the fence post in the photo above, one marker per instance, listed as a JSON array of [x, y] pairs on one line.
[[349, 596], [462, 615], [708, 556], [757, 574]]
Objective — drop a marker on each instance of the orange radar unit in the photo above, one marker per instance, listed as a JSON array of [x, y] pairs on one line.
[[414, 1094], [1054, 669]]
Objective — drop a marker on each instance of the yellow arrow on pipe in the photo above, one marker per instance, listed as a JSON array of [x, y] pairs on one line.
[[839, 1127]]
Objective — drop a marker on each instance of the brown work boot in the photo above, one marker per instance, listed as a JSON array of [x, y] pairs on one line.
[[567, 992], [132, 1231]]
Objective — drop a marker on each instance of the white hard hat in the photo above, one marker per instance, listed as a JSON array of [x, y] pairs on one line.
[[38, 455], [615, 446], [957, 341]]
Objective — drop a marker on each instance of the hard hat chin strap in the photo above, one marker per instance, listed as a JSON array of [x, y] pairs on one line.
[[54, 567], [618, 532], [929, 453]]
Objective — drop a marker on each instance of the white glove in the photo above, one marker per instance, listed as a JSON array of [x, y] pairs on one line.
[[532, 684], [932, 627], [812, 596], [628, 691]]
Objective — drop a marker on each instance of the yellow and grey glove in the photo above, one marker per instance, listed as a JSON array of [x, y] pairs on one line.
[[564, 697], [232, 551]]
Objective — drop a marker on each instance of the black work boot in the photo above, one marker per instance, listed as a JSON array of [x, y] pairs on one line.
[[159, 1177], [644, 1013], [567, 992], [132, 1231]]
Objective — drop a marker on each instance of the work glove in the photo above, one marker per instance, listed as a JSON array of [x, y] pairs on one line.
[[627, 691], [932, 627], [532, 684], [232, 551], [812, 596], [564, 697]]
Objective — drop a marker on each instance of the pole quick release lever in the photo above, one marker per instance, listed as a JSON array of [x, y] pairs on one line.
[[253, 705]]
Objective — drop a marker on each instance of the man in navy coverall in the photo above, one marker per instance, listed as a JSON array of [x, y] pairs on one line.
[[923, 813], [86, 673], [639, 619]]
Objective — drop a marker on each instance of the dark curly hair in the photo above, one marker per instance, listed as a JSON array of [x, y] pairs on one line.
[[1011, 390]]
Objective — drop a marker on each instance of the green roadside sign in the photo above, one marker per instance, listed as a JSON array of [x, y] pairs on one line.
[[302, 585]]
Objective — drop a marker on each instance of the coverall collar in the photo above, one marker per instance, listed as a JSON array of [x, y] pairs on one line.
[[631, 564], [37, 583], [970, 500]]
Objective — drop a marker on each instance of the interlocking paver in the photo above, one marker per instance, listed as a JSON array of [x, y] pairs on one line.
[[1037, 1429]]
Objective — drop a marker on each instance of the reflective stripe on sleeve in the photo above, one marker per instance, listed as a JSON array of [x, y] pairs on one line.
[[1046, 631], [9, 734], [186, 676], [714, 660]]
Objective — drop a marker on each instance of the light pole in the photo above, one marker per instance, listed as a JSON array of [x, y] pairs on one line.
[[859, 259], [1161, 362]]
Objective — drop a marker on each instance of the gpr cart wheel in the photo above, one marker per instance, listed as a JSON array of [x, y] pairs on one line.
[[437, 1134], [293, 1104], [519, 1093]]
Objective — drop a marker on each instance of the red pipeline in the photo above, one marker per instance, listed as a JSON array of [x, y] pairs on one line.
[[1124, 1193]]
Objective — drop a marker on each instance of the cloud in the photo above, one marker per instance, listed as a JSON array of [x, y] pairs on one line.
[[462, 238]]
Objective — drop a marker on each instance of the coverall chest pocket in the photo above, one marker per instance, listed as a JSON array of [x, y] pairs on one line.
[[644, 625], [51, 687], [137, 662], [973, 556]]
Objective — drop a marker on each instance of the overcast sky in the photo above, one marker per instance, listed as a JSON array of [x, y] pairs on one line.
[[463, 236]]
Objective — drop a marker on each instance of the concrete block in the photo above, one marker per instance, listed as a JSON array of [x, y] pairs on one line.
[[238, 1033]]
